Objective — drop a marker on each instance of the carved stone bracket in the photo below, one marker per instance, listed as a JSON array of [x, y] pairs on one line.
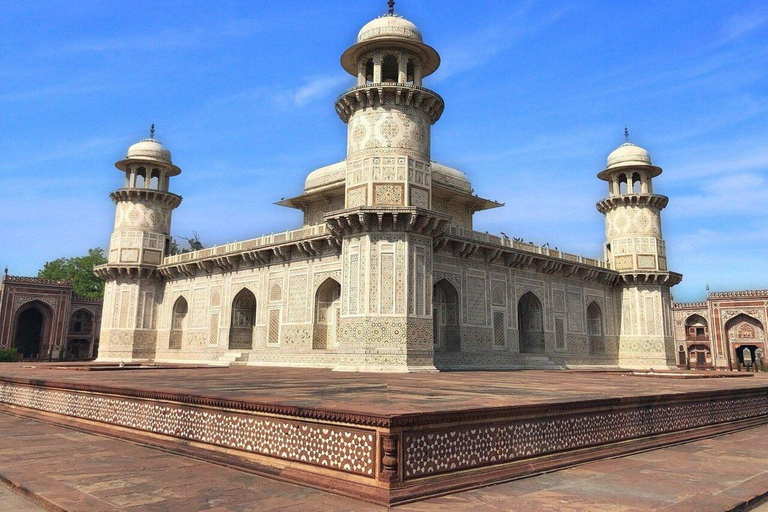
[[372, 95], [653, 200], [130, 194], [408, 219], [653, 278], [110, 272]]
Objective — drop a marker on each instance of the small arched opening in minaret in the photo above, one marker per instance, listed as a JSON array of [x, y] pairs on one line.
[[623, 187], [636, 183], [178, 323], [445, 317], [409, 73], [243, 320], [595, 329], [369, 71], [327, 310], [141, 178], [530, 315], [389, 70], [154, 180]]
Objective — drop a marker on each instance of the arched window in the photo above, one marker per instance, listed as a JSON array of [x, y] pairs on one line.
[[81, 322], [530, 315], [696, 328], [389, 69], [636, 183], [623, 187], [178, 323], [445, 316], [243, 320], [154, 181], [410, 73], [595, 329], [327, 302], [141, 177], [369, 71]]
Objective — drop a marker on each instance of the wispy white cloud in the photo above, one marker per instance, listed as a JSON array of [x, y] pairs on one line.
[[53, 91], [478, 48], [741, 24], [728, 194], [318, 86]]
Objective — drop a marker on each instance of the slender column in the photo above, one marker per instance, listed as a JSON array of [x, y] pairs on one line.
[[402, 75], [377, 68]]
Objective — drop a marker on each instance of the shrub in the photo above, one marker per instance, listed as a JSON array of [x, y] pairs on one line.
[[9, 355]]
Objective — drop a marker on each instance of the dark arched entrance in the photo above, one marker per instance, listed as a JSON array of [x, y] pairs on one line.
[[530, 315], [31, 327]]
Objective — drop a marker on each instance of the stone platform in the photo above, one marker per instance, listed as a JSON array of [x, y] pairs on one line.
[[387, 438]]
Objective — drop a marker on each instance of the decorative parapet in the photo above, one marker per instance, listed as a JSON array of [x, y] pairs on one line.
[[653, 200], [689, 305], [35, 280], [305, 242], [87, 300], [739, 294], [525, 246], [372, 95], [511, 253], [129, 194]]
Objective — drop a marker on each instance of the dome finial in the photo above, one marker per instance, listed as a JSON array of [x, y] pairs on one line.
[[626, 134], [152, 131], [391, 9]]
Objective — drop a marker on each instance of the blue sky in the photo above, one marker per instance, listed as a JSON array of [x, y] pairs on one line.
[[537, 94]]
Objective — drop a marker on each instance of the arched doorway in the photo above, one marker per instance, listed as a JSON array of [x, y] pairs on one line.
[[595, 329], [530, 315], [33, 328], [699, 356], [445, 316], [243, 320], [178, 323], [745, 335], [327, 309]]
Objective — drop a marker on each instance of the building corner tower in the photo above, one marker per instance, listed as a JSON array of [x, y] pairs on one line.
[[387, 227], [139, 242], [635, 249]]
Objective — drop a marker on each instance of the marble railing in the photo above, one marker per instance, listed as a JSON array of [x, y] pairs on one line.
[[525, 246], [253, 243]]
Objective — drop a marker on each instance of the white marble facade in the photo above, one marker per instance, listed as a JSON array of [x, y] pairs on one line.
[[387, 273]]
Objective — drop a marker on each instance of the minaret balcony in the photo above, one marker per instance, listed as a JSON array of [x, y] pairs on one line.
[[146, 194], [374, 95], [656, 201]]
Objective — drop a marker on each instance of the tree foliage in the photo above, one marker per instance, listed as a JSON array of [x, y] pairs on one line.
[[78, 271], [194, 244]]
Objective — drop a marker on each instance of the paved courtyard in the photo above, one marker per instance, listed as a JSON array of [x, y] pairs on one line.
[[82, 472], [384, 394]]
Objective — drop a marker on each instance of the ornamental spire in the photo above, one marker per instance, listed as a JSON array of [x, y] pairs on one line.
[[626, 133], [152, 131], [391, 10]]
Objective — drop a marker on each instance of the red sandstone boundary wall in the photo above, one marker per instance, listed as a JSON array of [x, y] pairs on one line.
[[389, 459]]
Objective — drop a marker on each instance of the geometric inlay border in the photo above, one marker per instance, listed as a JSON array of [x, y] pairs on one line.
[[334, 447], [428, 452]]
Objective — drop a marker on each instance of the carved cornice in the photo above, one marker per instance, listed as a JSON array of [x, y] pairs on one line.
[[372, 95], [144, 194], [656, 201], [689, 305], [516, 258], [655, 278], [740, 294], [398, 218], [35, 280], [113, 271]]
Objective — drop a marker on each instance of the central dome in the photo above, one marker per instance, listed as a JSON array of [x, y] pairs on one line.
[[389, 26]]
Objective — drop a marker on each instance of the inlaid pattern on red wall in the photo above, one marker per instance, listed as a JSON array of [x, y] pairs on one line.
[[439, 451], [340, 448]]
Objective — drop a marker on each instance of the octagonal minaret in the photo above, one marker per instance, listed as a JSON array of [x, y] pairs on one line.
[[387, 226], [139, 242], [635, 248]]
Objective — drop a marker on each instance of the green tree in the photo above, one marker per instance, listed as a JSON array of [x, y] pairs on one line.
[[78, 271]]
